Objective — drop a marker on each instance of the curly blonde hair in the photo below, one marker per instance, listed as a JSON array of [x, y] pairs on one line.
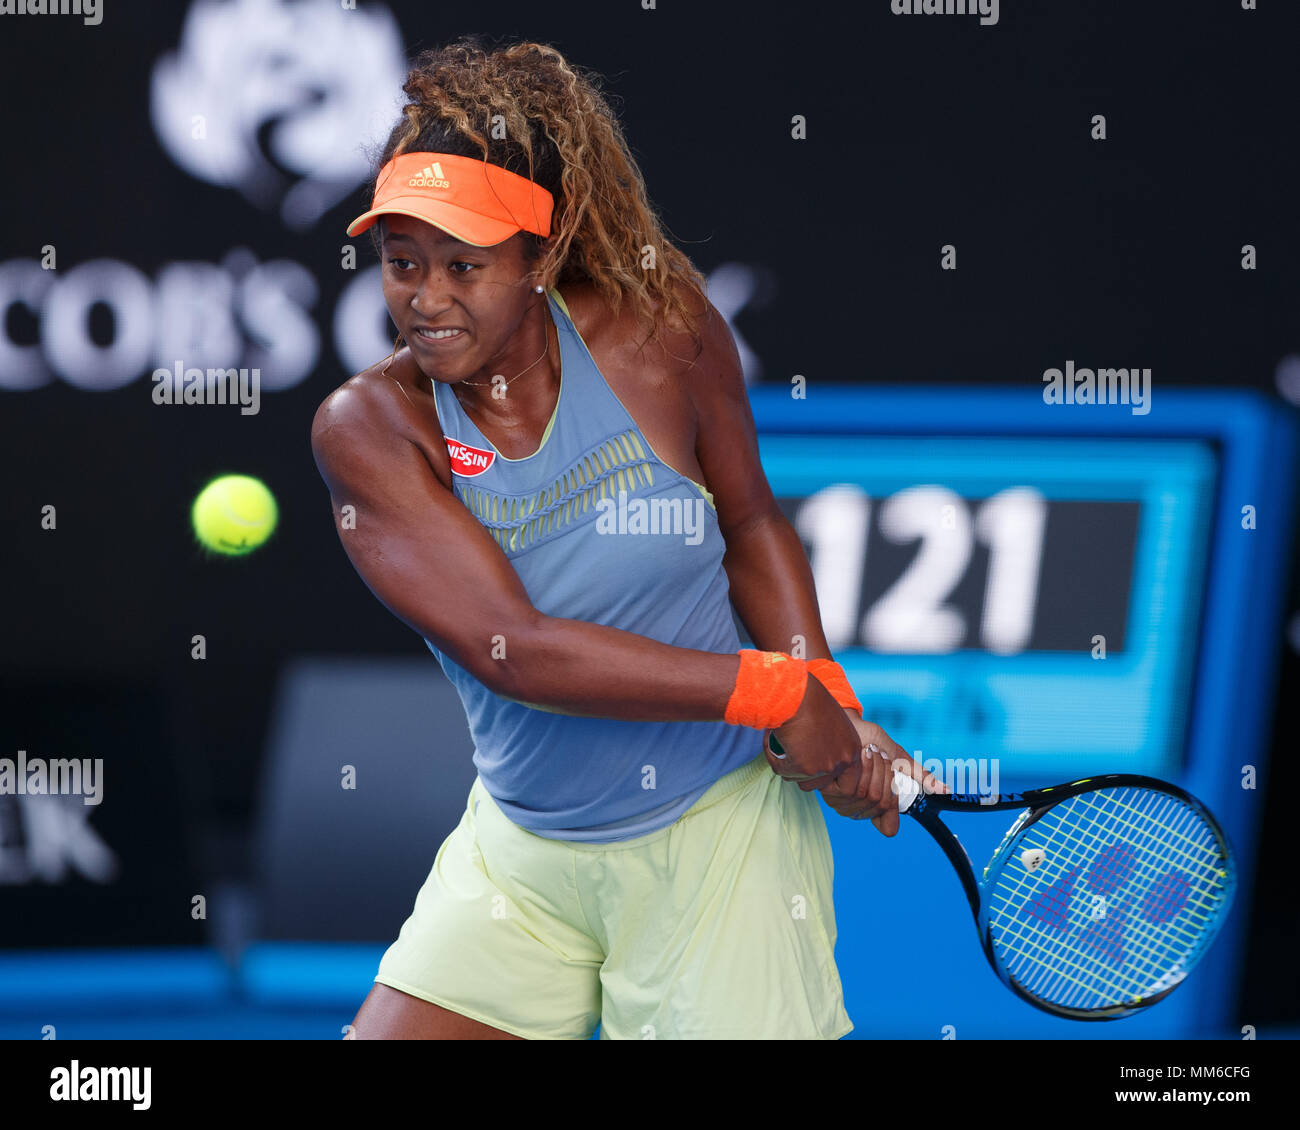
[[525, 108]]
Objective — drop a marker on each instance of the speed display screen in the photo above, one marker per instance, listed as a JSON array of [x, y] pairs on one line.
[[1030, 599]]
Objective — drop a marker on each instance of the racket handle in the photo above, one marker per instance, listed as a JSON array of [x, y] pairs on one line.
[[908, 790]]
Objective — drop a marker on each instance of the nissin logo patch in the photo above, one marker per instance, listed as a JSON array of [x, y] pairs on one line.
[[469, 461]]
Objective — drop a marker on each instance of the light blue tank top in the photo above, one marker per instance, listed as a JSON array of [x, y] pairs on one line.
[[599, 529]]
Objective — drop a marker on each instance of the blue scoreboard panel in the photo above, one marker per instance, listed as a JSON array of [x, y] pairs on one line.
[[1035, 593], [1021, 599]]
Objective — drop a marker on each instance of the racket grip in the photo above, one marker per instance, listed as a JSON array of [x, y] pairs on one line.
[[908, 790]]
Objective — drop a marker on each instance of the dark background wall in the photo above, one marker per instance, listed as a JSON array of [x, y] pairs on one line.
[[921, 131]]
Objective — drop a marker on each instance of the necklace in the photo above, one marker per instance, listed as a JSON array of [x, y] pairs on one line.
[[511, 381]]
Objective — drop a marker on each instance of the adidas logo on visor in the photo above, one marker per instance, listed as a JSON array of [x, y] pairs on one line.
[[430, 177]]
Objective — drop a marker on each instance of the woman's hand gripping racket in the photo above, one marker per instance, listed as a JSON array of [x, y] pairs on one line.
[[1103, 894]]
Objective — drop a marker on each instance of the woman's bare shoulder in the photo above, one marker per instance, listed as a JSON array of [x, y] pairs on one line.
[[382, 403], [671, 349]]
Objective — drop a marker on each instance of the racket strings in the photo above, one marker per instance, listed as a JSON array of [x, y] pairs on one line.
[[1129, 887], [1106, 941], [1083, 838], [1101, 939], [1077, 963], [1086, 962], [1067, 964]]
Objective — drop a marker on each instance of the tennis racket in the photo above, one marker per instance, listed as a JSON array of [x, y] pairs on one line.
[[1103, 894]]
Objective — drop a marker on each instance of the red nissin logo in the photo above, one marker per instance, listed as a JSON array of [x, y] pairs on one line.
[[469, 461]]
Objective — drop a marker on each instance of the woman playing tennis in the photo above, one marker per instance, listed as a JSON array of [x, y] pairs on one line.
[[555, 481]]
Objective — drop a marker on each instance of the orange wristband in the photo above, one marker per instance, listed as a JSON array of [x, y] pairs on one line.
[[770, 685], [831, 675]]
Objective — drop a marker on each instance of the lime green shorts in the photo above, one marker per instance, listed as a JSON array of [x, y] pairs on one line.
[[719, 926]]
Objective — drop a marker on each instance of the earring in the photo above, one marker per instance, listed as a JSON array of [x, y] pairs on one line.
[[539, 289]]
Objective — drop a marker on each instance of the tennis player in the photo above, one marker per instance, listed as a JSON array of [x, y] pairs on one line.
[[554, 479]]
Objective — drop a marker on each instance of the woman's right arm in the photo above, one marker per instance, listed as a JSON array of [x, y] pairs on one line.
[[427, 559]]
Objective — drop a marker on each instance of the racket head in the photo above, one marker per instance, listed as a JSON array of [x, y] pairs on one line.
[[1104, 894]]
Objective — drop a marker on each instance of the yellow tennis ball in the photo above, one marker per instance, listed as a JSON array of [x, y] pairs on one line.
[[234, 514]]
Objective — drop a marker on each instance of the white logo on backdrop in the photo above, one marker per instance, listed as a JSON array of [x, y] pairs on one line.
[[732, 287], [279, 100], [49, 839]]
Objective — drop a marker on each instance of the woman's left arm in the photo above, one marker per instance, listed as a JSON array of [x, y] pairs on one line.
[[771, 580]]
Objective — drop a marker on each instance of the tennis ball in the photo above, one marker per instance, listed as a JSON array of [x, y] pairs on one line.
[[234, 514]]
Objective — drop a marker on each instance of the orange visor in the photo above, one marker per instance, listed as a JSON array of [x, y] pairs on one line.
[[476, 202]]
